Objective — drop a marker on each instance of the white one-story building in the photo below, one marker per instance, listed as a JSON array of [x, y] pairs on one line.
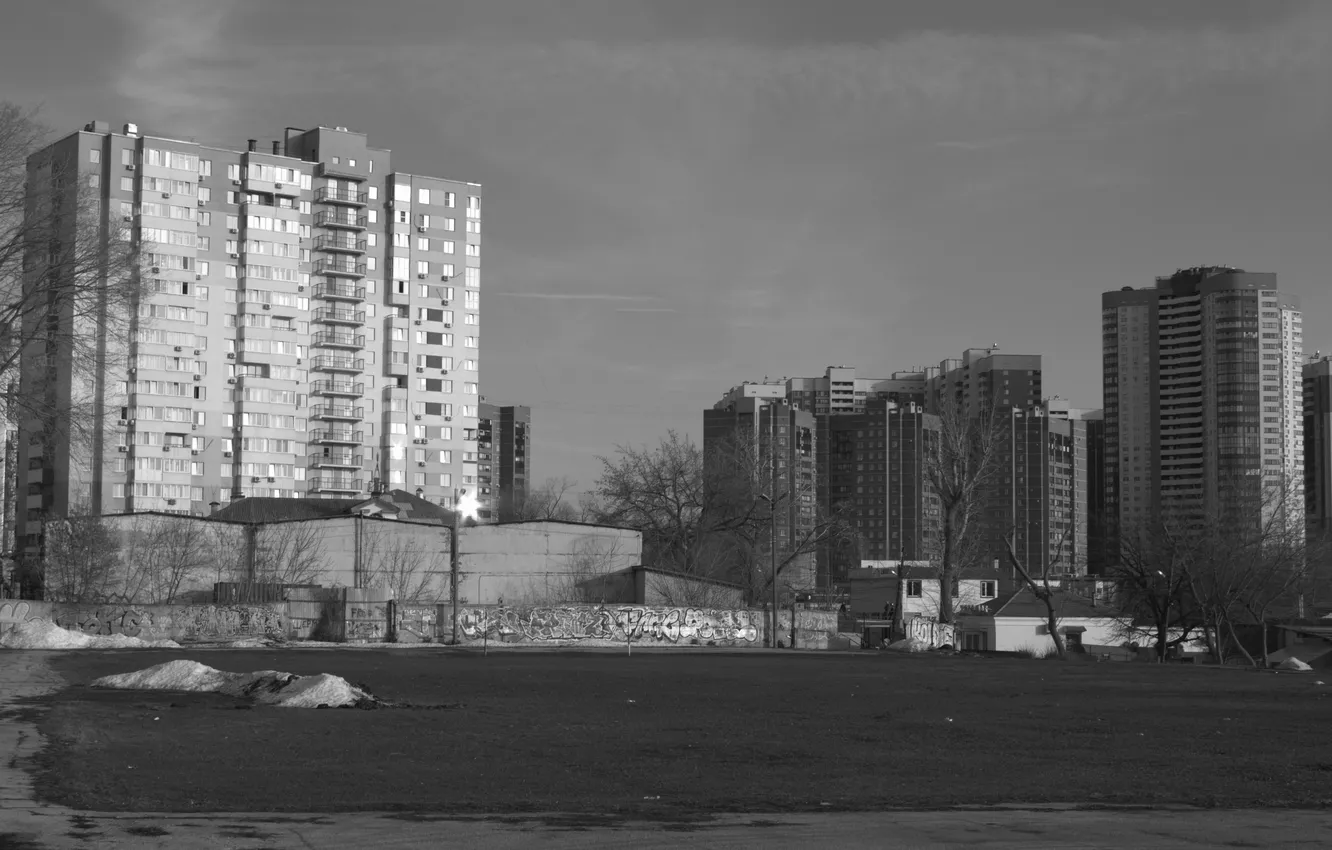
[[1018, 621]]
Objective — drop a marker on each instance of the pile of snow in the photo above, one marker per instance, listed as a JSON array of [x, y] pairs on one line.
[[1294, 665], [44, 634], [268, 687], [910, 645]]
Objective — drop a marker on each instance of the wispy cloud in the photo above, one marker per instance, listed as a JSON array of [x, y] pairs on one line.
[[645, 310], [573, 296]]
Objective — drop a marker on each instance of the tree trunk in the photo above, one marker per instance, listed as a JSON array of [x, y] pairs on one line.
[[946, 567], [1235, 637], [1052, 623], [1162, 637]]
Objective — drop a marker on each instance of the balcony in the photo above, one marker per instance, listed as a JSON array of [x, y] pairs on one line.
[[338, 172], [334, 316], [345, 413], [329, 195], [329, 242], [337, 388], [334, 460], [345, 268], [334, 484], [333, 339], [332, 290], [333, 218], [333, 363], [335, 437]]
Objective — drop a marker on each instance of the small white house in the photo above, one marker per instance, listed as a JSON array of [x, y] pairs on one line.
[[1018, 621], [874, 590]]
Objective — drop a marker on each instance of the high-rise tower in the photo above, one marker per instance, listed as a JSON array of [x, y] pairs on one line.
[[309, 327], [1202, 394]]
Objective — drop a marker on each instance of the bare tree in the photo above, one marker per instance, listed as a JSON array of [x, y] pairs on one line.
[[676, 501], [1151, 574], [958, 469], [404, 565], [164, 556], [289, 552], [550, 502], [69, 284], [1042, 590], [81, 561]]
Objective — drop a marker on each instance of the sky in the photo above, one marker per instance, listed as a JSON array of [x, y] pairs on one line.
[[681, 196]]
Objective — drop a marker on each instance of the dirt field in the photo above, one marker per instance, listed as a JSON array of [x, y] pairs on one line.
[[686, 733]]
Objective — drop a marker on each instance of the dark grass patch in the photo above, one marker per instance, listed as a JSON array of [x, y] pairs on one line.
[[20, 841], [148, 831], [672, 738]]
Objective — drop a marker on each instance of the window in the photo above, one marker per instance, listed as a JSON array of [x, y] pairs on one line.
[[473, 250], [423, 196], [94, 181], [94, 156], [423, 221], [127, 157], [374, 193], [447, 247], [422, 267], [127, 184], [402, 192], [449, 199], [450, 224], [913, 588], [422, 244], [473, 277]]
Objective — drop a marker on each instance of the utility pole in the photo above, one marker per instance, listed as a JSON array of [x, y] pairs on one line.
[[772, 525], [453, 574]]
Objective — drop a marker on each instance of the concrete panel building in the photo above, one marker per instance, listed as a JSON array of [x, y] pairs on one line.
[[504, 456], [310, 323]]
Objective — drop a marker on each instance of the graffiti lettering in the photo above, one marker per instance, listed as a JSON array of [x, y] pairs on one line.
[[13, 614], [622, 624]]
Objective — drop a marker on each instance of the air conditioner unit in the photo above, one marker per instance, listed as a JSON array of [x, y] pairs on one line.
[[132, 370], [194, 452], [254, 479], [298, 361], [271, 479], [448, 324], [122, 422], [420, 277], [235, 256], [420, 369], [157, 269], [166, 194], [420, 463], [417, 417], [276, 186], [235, 182], [448, 418], [300, 289], [231, 380], [268, 306], [198, 351], [127, 218], [421, 230], [445, 302], [171, 501], [180, 348], [201, 203], [234, 230], [443, 371], [198, 377], [417, 322], [194, 427], [129, 167], [226, 454], [198, 277], [231, 356], [123, 448], [166, 448]]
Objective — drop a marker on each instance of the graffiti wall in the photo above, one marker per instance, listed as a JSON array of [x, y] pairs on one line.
[[611, 625], [177, 622]]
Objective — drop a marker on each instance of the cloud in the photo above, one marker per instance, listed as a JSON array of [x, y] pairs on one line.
[[573, 296], [645, 310]]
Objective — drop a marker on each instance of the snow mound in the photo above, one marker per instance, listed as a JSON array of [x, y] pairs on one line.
[[267, 687], [44, 634], [909, 645], [1294, 665]]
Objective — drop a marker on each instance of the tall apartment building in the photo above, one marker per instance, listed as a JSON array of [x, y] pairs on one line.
[[503, 451], [839, 392], [311, 326], [982, 377], [1202, 382], [756, 414], [875, 473], [1317, 377]]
